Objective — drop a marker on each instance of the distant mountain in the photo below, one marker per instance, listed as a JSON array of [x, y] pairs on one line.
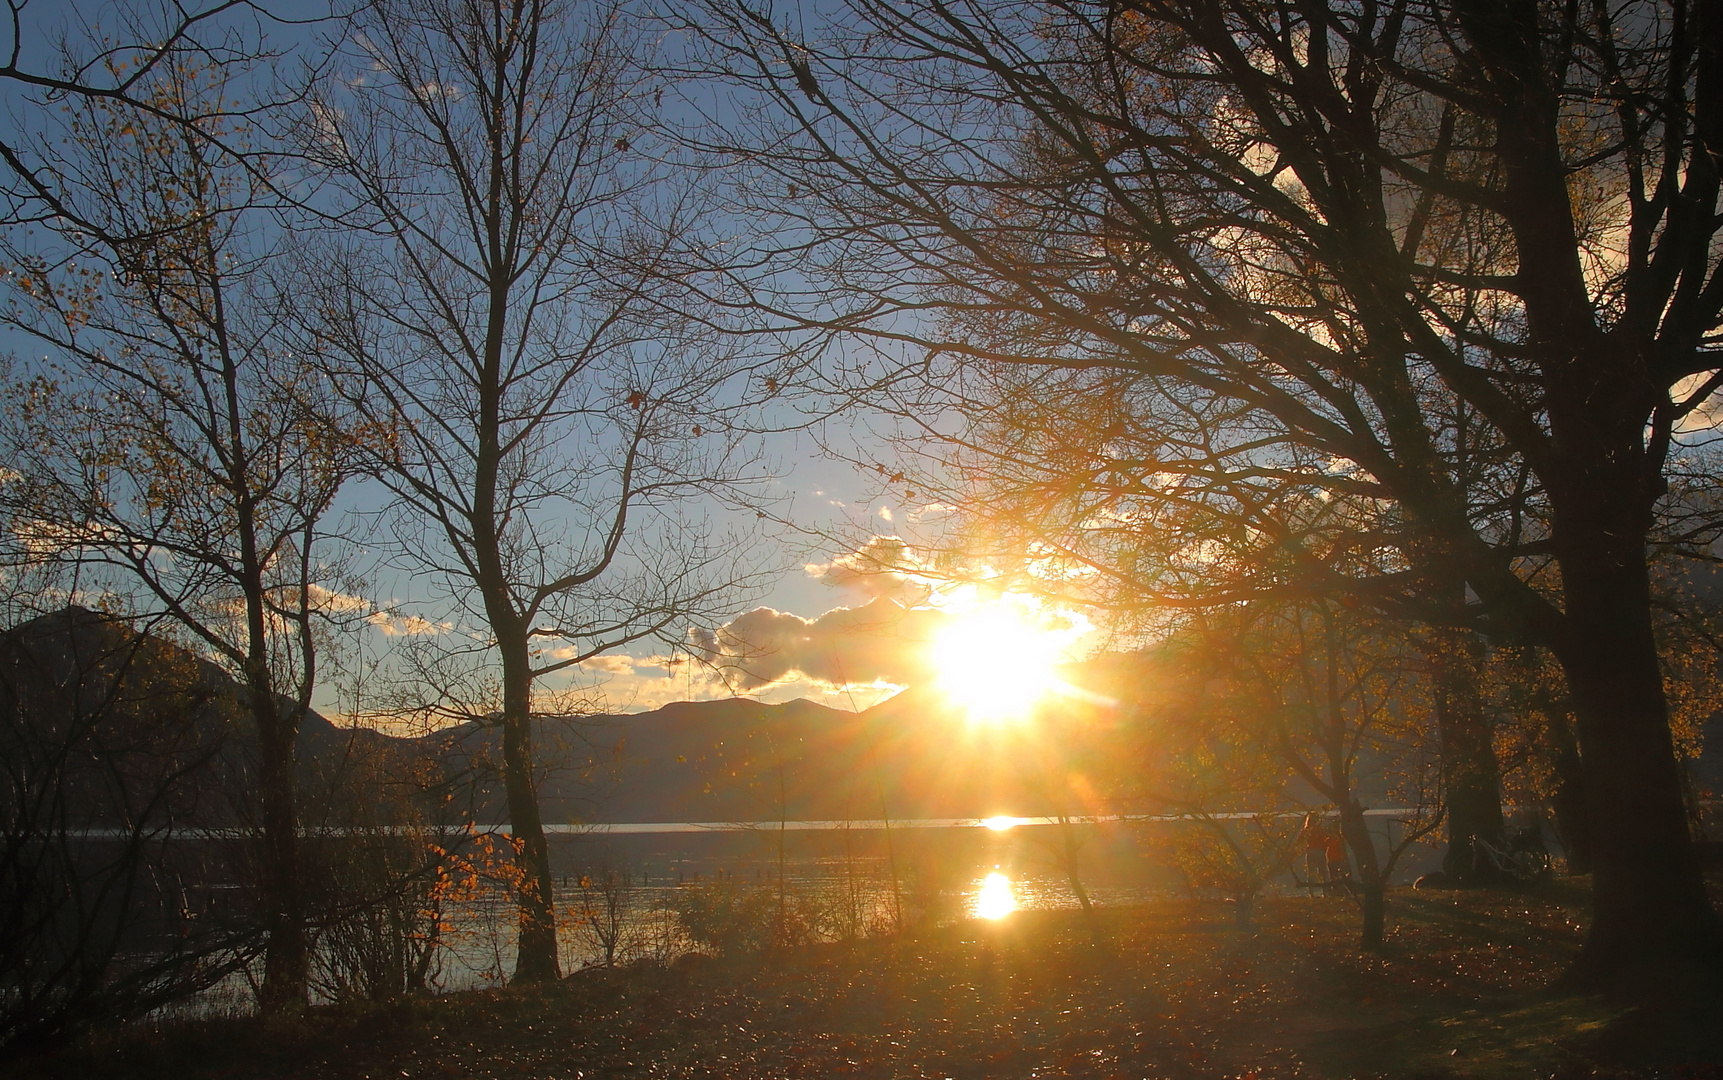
[[914, 755], [114, 704]]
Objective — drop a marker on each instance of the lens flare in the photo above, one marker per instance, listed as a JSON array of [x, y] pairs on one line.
[[1002, 822], [996, 900]]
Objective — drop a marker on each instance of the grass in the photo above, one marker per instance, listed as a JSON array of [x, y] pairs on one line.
[[1174, 992]]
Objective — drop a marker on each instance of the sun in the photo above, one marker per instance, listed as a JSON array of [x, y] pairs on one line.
[[997, 659]]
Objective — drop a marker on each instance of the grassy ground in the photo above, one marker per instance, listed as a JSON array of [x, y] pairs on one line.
[[1174, 991]]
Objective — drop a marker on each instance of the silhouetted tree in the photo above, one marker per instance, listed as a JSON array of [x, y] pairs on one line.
[[490, 298], [1339, 699], [1341, 225], [171, 447]]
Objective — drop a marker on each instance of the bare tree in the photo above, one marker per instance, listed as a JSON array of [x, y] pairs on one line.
[[494, 307], [608, 912], [1313, 217], [1339, 699], [46, 63], [1235, 796], [171, 450]]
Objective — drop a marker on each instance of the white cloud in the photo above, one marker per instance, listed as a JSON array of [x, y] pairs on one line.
[[338, 603], [397, 625], [882, 567], [1707, 416]]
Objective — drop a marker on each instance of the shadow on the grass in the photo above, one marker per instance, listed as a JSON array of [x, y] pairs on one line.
[[1175, 990]]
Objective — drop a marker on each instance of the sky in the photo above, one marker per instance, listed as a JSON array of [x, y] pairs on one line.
[[846, 622], [851, 618], [824, 627]]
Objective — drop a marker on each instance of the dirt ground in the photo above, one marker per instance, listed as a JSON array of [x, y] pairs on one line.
[[1172, 990]]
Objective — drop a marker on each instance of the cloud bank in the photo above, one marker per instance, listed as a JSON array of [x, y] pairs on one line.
[[882, 641]]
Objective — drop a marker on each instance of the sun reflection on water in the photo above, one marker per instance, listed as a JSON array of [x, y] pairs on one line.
[[996, 900]]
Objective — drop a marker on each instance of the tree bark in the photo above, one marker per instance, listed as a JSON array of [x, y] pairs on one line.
[[1653, 928], [1372, 891], [536, 953], [286, 958], [1471, 774], [1373, 897], [1572, 816]]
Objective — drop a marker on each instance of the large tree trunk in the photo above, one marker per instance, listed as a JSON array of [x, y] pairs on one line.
[[536, 953], [1653, 928], [286, 960], [1471, 775]]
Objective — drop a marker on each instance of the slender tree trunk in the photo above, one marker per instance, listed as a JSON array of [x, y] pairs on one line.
[[536, 953], [890, 848], [1471, 774], [781, 937], [852, 897], [1373, 897], [1243, 906], [1068, 838], [1372, 889], [1069, 855], [286, 960]]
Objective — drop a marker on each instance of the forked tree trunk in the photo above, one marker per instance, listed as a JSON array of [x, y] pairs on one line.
[[1069, 855], [1653, 929], [1070, 852]]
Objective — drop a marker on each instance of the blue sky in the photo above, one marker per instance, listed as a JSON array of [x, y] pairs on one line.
[[830, 505]]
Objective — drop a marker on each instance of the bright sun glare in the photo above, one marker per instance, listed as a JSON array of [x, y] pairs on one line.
[[996, 899], [997, 660]]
